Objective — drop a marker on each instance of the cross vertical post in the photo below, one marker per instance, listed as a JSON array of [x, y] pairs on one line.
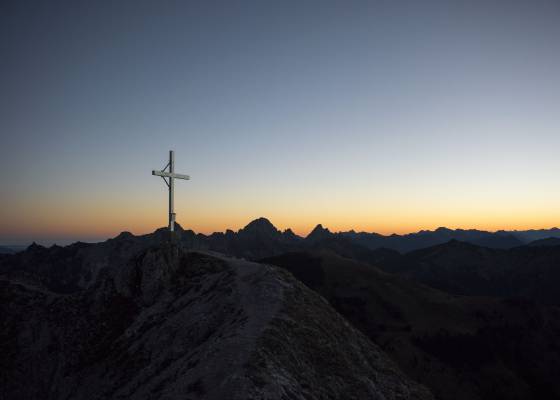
[[170, 182], [171, 191]]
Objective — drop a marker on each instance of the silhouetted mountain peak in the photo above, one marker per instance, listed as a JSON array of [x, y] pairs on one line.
[[289, 234], [35, 247], [124, 235], [318, 233], [320, 228], [260, 226]]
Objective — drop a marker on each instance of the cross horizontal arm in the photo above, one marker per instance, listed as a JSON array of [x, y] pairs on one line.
[[169, 175]]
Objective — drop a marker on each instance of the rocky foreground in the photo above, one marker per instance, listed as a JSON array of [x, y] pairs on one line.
[[166, 323]]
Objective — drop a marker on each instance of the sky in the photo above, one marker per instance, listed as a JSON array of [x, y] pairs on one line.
[[385, 116]]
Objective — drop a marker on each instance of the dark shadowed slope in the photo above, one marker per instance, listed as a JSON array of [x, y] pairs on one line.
[[462, 268], [163, 323], [462, 348], [551, 241]]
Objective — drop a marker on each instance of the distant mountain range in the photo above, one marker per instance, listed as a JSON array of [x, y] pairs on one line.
[[262, 227], [477, 263], [6, 249], [260, 238]]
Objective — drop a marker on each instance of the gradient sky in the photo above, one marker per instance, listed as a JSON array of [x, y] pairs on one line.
[[387, 116]]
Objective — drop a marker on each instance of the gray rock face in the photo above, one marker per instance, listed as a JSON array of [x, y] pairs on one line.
[[172, 324]]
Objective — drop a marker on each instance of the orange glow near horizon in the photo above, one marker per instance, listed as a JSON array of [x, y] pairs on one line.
[[105, 225], [95, 218]]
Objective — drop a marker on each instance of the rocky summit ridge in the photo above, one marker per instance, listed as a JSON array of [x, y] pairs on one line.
[[141, 320]]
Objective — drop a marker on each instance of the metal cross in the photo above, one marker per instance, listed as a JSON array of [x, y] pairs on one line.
[[171, 176]]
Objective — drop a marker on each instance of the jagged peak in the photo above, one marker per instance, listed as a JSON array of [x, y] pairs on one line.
[[319, 232], [290, 235], [320, 228], [34, 246]]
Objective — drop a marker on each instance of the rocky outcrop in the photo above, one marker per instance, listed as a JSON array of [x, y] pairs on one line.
[[167, 323]]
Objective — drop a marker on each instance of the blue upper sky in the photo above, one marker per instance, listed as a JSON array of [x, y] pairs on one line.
[[376, 115]]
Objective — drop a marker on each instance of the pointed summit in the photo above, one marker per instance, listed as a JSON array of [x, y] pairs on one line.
[[289, 236], [318, 233], [289, 232], [35, 247]]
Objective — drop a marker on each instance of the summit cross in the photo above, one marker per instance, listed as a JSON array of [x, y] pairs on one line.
[[171, 176]]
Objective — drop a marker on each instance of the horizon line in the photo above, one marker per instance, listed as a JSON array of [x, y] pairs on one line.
[[99, 239]]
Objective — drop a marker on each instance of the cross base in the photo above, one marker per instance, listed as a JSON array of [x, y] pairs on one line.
[[173, 237]]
